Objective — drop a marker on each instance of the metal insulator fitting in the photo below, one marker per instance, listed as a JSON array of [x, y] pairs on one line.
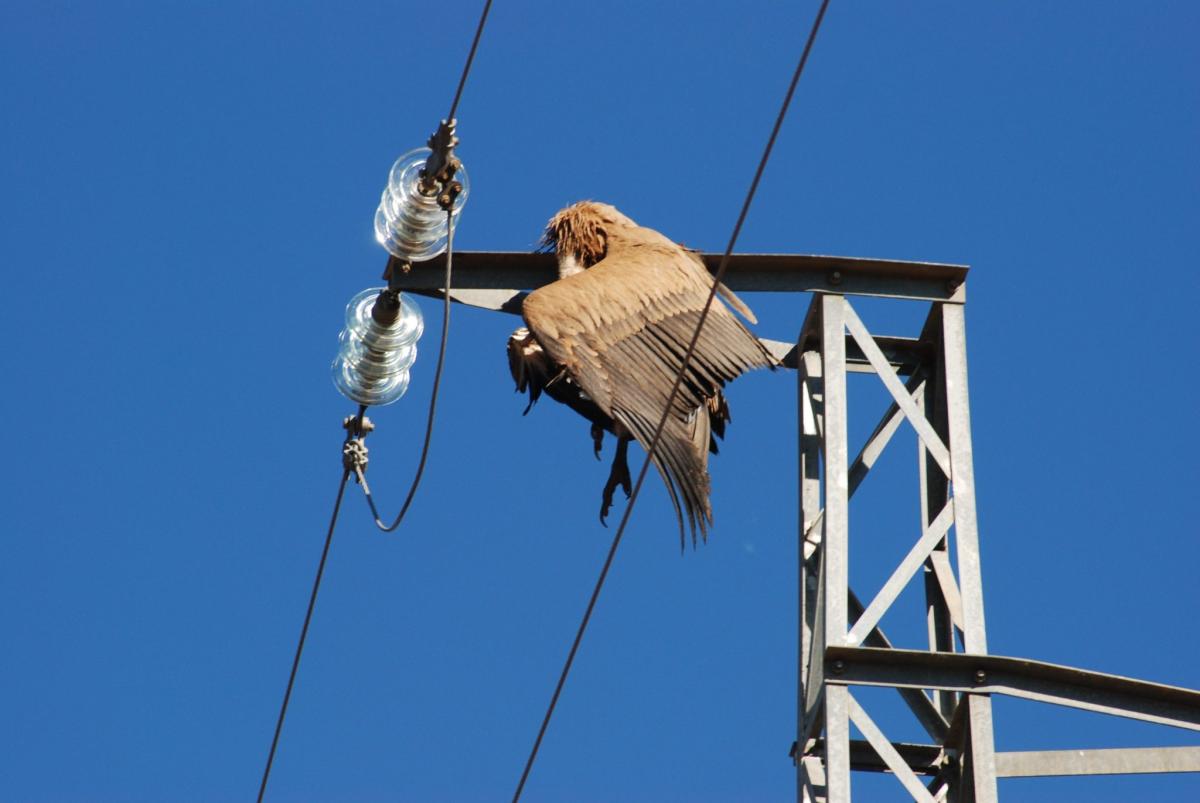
[[387, 308], [442, 164], [354, 455], [358, 427]]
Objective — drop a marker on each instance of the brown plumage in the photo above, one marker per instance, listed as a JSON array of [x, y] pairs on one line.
[[607, 339]]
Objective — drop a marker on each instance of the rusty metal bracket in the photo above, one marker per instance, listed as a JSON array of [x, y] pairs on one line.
[[395, 270]]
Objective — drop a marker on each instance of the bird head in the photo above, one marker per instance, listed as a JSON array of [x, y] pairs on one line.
[[580, 233]]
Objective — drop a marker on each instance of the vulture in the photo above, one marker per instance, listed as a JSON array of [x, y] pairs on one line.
[[608, 338]]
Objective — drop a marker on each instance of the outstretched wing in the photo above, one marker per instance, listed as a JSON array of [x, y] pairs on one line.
[[621, 329]]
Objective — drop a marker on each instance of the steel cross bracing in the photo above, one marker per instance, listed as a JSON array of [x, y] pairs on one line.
[[949, 685]]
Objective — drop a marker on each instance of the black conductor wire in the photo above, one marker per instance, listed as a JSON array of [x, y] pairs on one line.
[[462, 82], [312, 602]]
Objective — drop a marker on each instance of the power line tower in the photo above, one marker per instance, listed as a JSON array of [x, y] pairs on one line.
[[926, 377], [948, 686]]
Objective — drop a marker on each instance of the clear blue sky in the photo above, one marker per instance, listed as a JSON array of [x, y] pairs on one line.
[[188, 191]]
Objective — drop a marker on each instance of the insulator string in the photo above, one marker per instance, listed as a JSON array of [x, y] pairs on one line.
[[361, 412]]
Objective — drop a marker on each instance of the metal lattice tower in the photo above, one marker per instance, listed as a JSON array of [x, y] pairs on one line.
[[836, 627], [948, 686]]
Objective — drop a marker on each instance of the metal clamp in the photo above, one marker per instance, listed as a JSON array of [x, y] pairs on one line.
[[354, 449], [354, 456], [437, 177]]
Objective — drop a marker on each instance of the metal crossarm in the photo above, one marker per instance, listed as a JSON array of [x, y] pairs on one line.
[[508, 272]]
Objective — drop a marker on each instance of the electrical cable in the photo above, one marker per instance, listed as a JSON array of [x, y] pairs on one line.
[[433, 397], [312, 602], [470, 58], [720, 274]]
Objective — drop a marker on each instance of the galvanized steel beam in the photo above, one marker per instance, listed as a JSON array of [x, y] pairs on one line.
[[834, 541], [1017, 677], [1127, 761], [771, 273], [809, 394], [931, 760]]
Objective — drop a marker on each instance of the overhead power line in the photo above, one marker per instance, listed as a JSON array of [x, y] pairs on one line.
[[312, 602], [720, 275], [462, 82]]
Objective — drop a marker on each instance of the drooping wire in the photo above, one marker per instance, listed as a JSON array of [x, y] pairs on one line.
[[720, 274], [470, 58], [433, 396], [312, 602]]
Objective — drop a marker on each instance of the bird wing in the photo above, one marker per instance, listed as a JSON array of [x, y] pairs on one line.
[[621, 329], [532, 368]]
